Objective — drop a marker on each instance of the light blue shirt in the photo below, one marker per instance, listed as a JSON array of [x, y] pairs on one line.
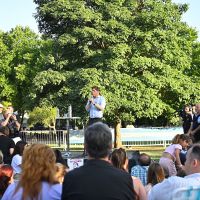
[[165, 189], [140, 172], [48, 192], [94, 111]]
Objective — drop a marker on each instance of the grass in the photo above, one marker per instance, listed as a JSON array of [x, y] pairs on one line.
[[154, 151]]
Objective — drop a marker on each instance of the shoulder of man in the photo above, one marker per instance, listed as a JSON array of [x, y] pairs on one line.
[[165, 188]]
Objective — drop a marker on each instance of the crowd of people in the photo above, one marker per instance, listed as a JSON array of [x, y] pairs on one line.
[[39, 172], [36, 171]]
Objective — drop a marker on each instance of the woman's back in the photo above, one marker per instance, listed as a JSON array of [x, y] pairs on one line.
[[48, 192]]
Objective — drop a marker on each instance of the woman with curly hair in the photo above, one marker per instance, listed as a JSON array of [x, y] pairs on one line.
[[38, 176], [119, 159]]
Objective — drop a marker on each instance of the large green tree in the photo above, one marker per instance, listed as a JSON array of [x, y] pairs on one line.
[[23, 54], [137, 51]]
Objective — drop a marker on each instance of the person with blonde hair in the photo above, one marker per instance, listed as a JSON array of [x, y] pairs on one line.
[[61, 170], [38, 176], [119, 160], [171, 156]]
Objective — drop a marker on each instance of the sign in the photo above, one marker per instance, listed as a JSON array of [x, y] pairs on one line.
[[75, 163]]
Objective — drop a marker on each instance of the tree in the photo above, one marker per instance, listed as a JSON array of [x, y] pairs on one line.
[[23, 54], [136, 51], [43, 115]]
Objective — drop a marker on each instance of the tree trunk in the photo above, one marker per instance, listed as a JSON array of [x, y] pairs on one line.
[[117, 134]]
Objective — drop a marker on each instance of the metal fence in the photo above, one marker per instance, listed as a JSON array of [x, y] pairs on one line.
[[58, 139], [55, 139]]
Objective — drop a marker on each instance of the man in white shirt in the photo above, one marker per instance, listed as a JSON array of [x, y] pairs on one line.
[[165, 189]]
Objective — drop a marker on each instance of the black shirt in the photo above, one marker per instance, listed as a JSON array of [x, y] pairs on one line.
[[5, 144]]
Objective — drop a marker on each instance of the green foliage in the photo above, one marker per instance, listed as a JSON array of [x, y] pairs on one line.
[[23, 54], [138, 52], [42, 115]]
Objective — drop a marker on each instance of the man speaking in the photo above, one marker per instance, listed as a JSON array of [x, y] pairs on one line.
[[95, 106]]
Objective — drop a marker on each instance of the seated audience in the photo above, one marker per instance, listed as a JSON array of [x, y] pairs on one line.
[[119, 159], [170, 159], [6, 178], [165, 189], [61, 170], [97, 179], [155, 175], [59, 158], [17, 158], [37, 179], [6, 145], [140, 170]]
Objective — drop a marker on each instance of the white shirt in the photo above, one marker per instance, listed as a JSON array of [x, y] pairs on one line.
[[95, 112], [16, 162], [164, 190]]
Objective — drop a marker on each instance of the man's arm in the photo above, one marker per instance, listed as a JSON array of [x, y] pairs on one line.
[[88, 105], [5, 122], [16, 122], [195, 130], [101, 106]]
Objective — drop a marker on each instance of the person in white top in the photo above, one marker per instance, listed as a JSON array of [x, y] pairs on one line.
[[170, 159], [165, 190], [17, 158]]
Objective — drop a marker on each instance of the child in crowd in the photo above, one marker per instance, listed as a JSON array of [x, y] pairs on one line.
[[61, 170], [170, 159], [6, 178], [155, 175], [119, 159]]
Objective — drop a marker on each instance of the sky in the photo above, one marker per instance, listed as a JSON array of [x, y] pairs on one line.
[[20, 12]]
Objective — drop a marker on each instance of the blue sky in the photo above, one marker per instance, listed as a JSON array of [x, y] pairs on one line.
[[20, 12]]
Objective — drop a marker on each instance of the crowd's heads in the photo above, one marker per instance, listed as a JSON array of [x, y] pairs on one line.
[[19, 148], [6, 177], [38, 164], [1, 107], [197, 108], [182, 139], [59, 158], [144, 159], [98, 140], [4, 130], [192, 163], [10, 109], [187, 108], [95, 91], [61, 170], [119, 159], [155, 174]]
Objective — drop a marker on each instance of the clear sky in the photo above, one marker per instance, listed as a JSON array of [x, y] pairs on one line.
[[20, 12]]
